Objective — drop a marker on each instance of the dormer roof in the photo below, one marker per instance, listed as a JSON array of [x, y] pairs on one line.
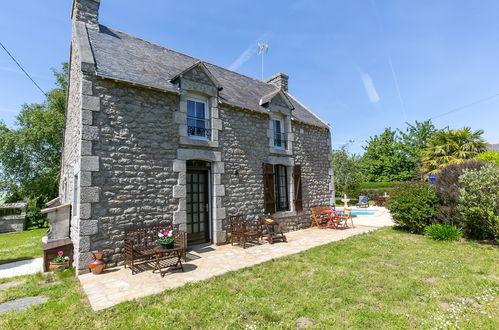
[[266, 99], [202, 67]]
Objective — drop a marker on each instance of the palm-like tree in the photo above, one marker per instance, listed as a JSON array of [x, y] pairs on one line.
[[451, 147]]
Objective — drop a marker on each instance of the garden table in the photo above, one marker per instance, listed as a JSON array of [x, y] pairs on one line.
[[167, 258], [331, 216]]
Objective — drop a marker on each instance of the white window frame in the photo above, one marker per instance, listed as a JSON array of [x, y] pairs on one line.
[[207, 117], [281, 123]]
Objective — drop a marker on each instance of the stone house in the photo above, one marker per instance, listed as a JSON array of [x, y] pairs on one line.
[[155, 135]]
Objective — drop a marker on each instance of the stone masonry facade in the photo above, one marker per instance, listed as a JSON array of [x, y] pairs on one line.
[[126, 148]]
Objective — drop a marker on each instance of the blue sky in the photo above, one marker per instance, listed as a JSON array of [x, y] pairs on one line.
[[361, 65]]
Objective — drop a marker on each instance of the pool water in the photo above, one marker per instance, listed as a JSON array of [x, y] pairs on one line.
[[360, 212]]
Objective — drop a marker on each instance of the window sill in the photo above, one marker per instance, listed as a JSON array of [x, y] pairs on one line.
[[188, 141], [274, 150], [284, 214]]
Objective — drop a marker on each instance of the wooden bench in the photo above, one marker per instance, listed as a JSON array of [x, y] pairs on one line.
[[140, 242]]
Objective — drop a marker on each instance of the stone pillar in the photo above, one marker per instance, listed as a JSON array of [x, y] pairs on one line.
[[89, 164]]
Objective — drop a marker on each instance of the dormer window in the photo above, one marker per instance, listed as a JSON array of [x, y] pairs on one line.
[[279, 136], [198, 119]]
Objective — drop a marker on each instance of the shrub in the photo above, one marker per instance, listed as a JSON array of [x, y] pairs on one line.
[[489, 156], [479, 202], [412, 205], [447, 188], [441, 232]]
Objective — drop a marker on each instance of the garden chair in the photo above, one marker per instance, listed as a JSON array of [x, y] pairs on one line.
[[317, 217], [272, 229], [345, 216], [363, 201], [243, 231]]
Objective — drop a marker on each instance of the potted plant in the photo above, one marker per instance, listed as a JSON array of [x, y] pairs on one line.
[[166, 239], [60, 262]]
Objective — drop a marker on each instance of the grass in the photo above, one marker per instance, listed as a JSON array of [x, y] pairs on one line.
[[20, 246], [385, 279]]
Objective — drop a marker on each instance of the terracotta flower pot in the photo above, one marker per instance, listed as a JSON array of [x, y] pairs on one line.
[[58, 265], [97, 265]]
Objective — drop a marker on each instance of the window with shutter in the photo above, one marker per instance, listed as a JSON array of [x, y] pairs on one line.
[[268, 188], [298, 198], [281, 188]]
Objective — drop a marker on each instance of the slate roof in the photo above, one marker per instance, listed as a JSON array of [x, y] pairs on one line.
[[123, 57]]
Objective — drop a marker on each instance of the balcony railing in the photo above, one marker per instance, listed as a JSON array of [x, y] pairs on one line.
[[280, 141], [199, 132]]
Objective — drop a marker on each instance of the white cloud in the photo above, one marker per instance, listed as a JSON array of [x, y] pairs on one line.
[[243, 58], [247, 53], [371, 92], [10, 69]]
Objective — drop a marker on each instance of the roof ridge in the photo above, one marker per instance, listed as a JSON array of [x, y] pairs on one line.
[[194, 58]]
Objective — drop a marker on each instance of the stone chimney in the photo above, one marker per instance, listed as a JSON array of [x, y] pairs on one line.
[[86, 11], [280, 80]]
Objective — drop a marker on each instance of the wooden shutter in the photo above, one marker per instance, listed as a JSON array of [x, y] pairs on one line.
[[298, 198], [268, 188]]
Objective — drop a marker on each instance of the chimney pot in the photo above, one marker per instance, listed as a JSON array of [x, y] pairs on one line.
[[279, 80], [86, 11]]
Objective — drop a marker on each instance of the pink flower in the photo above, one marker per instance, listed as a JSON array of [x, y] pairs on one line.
[[60, 253], [165, 233]]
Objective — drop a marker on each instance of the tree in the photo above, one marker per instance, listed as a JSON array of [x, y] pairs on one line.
[[449, 147], [347, 177], [385, 159], [30, 153], [413, 141]]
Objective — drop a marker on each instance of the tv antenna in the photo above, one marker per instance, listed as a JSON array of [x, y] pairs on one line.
[[262, 50]]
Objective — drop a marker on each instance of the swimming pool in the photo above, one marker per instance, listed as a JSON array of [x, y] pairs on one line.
[[360, 212]]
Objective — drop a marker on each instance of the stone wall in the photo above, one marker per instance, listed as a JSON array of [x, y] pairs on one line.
[[136, 146], [10, 222], [245, 147], [312, 149]]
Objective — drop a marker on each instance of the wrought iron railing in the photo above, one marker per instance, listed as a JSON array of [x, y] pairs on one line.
[[199, 131], [280, 141]]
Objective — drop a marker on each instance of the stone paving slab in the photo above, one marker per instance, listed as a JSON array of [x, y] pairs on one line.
[[117, 285], [5, 286], [21, 304], [23, 267]]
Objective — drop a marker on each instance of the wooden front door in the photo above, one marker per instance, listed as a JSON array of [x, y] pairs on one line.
[[198, 230]]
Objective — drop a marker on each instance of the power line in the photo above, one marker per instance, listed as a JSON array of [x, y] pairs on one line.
[[19, 65], [466, 106]]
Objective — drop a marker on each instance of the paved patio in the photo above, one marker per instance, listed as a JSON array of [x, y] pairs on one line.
[[117, 285]]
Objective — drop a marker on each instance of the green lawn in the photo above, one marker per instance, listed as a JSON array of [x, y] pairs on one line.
[[385, 279], [20, 246]]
